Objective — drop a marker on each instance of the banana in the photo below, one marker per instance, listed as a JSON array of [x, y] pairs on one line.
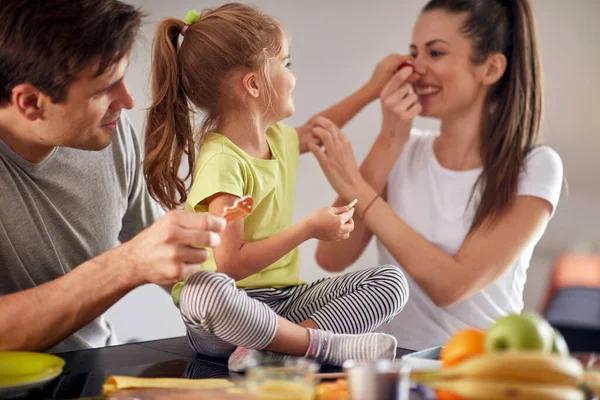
[[534, 367], [470, 389], [592, 380]]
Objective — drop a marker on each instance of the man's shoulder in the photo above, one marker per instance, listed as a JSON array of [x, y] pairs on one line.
[[125, 134]]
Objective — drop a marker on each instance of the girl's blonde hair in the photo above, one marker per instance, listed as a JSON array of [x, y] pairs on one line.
[[195, 74]]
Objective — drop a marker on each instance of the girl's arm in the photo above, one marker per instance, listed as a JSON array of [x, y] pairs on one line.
[[240, 259], [342, 112]]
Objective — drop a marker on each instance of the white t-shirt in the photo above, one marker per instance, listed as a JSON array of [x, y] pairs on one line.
[[434, 201]]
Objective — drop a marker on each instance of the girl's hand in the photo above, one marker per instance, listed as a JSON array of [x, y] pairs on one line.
[[336, 158], [384, 71], [400, 105], [331, 224]]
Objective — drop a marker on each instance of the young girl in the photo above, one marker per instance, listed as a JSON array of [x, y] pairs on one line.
[[461, 211], [233, 65]]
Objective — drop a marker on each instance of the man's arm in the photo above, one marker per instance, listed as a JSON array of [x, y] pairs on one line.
[[38, 318]]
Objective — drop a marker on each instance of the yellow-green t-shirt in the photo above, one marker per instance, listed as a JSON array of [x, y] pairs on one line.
[[222, 167]]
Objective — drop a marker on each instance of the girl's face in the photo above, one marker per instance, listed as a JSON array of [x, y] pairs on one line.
[[449, 83], [283, 81]]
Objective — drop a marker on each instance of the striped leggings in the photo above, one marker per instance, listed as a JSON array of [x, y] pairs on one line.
[[219, 317]]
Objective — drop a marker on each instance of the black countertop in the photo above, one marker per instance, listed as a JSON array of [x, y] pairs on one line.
[[86, 370]]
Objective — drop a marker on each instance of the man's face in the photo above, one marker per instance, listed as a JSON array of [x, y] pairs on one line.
[[87, 118]]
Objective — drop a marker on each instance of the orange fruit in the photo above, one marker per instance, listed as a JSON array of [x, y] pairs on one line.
[[445, 395], [464, 344]]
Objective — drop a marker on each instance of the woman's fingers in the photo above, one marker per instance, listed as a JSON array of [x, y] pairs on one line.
[[405, 104], [324, 136], [319, 155], [397, 81], [396, 97], [334, 131]]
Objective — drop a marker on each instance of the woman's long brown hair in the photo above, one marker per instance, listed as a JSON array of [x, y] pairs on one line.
[[511, 130]]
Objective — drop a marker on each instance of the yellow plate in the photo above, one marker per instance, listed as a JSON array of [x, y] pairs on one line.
[[21, 370]]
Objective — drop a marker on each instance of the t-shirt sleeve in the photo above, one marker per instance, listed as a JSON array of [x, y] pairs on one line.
[[222, 173], [288, 136], [542, 176], [142, 209]]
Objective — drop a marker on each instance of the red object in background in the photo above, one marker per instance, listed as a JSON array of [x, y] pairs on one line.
[[574, 270], [407, 63]]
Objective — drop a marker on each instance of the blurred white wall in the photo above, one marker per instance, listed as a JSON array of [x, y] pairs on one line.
[[335, 46]]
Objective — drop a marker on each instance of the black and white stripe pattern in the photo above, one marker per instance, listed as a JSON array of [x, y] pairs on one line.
[[220, 317], [353, 303]]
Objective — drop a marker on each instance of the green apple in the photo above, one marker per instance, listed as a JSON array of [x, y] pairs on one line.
[[559, 344], [527, 331]]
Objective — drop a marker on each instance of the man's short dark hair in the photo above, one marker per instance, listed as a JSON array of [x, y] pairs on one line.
[[48, 43]]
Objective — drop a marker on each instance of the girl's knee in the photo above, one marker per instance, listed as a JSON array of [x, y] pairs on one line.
[[197, 291], [396, 284]]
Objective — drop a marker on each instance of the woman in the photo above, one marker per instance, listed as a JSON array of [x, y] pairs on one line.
[[462, 211]]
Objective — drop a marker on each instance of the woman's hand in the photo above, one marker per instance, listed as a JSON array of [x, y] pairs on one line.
[[330, 224], [336, 158], [400, 105], [384, 71]]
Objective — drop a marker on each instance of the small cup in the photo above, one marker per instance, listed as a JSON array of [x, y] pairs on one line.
[[380, 380], [281, 379]]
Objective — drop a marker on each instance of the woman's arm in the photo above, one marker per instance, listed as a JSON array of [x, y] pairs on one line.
[[240, 259], [342, 112], [484, 255], [376, 167], [337, 256]]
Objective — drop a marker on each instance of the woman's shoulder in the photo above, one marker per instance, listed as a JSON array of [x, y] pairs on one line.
[[545, 161], [545, 155], [542, 175]]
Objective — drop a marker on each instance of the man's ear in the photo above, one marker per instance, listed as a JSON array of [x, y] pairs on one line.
[[494, 68], [251, 86], [28, 100]]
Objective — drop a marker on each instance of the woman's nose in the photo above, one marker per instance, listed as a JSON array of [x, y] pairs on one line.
[[420, 66]]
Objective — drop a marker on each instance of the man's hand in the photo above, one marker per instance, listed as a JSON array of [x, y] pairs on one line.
[[173, 247]]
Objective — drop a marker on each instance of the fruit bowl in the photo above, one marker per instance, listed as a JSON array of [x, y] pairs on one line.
[[426, 359]]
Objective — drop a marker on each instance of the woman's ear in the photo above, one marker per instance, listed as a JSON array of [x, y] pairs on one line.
[[250, 82], [494, 69]]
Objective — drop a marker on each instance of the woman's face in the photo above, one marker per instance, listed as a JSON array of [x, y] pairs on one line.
[[449, 83]]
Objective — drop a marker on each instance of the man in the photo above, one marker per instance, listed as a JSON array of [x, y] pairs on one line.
[[71, 187]]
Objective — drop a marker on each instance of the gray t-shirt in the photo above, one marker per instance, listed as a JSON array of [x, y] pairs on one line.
[[67, 209]]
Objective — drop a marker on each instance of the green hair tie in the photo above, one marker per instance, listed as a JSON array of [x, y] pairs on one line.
[[191, 17]]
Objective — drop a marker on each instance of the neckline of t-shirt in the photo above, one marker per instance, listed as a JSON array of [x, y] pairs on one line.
[[447, 171], [252, 158], [10, 153]]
